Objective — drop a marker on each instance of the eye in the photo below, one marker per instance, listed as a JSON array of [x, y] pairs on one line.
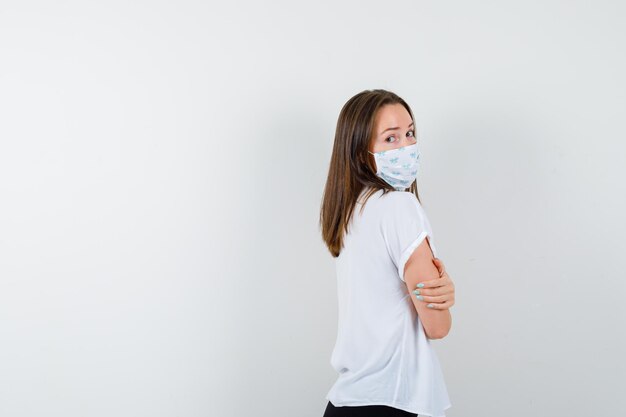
[[412, 132], [390, 137]]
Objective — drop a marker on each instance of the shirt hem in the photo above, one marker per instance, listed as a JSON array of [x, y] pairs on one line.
[[401, 406]]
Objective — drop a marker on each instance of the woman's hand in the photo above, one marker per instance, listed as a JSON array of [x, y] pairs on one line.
[[439, 292]]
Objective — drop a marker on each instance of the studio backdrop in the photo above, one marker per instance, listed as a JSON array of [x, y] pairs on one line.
[[161, 172]]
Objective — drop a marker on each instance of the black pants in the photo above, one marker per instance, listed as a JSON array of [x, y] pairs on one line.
[[365, 411]]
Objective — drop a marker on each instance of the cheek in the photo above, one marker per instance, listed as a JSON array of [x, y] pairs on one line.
[[377, 145]]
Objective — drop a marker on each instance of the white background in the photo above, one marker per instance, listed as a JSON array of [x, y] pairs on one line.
[[161, 171]]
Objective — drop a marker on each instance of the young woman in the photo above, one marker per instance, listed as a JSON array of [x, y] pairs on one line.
[[394, 294]]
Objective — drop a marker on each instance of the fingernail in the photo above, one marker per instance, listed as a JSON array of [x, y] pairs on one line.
[[419, 297], [416, 292], [420, 285], [429, 305]]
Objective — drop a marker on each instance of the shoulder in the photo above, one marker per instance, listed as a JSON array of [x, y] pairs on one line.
[[401, 201], [401, 219], [395, 208]]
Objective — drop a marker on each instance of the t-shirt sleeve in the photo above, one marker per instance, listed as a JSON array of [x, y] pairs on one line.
[[403, 227]]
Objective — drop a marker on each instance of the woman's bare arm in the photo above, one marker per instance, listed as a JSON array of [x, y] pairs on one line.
[[418, 268]]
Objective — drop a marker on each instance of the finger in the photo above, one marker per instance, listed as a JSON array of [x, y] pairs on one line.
[[433, 299], [439, 264], [433, 283], [444, 279], [440, 306], [433, 292]]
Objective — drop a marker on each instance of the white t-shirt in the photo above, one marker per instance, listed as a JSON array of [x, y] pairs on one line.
[[382, 353]]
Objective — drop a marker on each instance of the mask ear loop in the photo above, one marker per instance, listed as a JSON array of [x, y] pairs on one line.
[[368, 162]]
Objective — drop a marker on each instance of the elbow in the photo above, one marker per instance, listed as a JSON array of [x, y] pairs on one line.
[[440, 328], [437, 334]]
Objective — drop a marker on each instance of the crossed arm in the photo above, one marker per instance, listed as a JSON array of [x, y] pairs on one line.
[[437, 290]]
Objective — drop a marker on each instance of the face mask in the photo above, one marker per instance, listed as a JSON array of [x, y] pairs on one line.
[[398, 167]]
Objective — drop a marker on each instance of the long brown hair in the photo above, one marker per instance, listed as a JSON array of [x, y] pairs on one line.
[[352, 168]]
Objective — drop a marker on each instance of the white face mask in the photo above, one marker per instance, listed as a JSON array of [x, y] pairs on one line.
[[398, 167]]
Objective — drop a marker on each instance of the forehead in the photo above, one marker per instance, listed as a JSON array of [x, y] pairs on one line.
[[392, 115]]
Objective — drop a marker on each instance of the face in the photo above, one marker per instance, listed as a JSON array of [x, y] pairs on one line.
[[393, 128]]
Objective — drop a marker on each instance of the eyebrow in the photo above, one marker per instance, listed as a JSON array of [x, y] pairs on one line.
[[392, 128]]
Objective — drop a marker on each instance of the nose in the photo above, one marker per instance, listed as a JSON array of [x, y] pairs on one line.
[[409, 140]]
